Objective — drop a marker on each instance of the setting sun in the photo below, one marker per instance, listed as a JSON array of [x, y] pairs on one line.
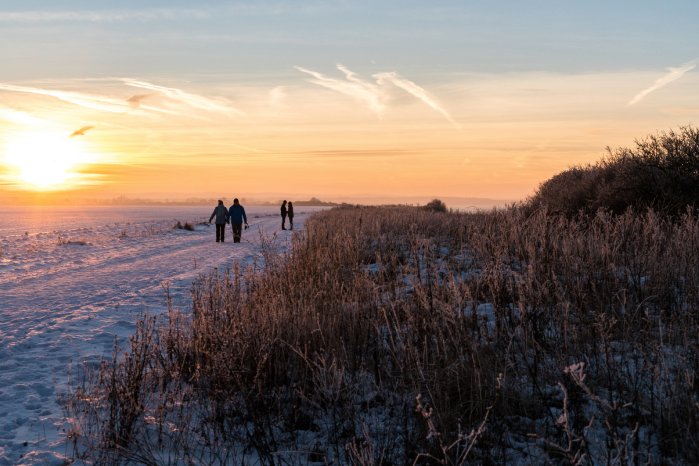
[[44, 161]]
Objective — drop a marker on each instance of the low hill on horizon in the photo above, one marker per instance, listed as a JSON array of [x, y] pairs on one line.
[[452, 202]]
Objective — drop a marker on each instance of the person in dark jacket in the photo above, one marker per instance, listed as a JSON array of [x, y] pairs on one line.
[[283, 212], [237, 215], [221, 214], [290, 213]]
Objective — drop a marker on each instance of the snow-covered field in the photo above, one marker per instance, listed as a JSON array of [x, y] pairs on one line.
[[72, 279]]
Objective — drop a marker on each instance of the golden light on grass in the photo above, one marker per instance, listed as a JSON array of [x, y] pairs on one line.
[[45, 160]]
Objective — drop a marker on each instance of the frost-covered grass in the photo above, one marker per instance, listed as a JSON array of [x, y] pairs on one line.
[[404, 336]]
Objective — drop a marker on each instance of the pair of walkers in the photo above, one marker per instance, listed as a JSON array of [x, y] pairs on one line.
[[287, 210], [235, 215]]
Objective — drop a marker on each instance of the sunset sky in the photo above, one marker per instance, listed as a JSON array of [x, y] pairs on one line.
[[334, 99]]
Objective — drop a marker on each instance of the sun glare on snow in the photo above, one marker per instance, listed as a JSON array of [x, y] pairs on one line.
[[45, 161]]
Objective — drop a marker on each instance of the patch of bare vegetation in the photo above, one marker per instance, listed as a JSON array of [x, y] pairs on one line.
[[63, 241], [406, 336], [184, 226]]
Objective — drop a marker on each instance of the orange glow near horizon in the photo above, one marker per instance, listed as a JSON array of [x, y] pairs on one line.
[[45, 161], [472, 136]]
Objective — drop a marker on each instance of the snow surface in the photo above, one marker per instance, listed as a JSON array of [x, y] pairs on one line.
[[72, 279]]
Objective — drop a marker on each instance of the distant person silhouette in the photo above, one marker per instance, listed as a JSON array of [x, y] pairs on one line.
[[221, 214], [290, 213], [283, 212], [237, 215]]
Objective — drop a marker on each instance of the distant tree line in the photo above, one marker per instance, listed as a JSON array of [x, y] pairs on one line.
[[314, 201], [124, 200]]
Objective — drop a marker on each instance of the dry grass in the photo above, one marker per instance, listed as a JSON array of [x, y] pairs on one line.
[[401, 336]]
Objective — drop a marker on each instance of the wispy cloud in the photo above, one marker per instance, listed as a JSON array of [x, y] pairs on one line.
[[96, 15], [133, 103], [101, 16], [352, 86], [375, 94], [192, 100], [101, 103], [277, 96], [673, 74], [135, 100], [416, 91], [18, 117]]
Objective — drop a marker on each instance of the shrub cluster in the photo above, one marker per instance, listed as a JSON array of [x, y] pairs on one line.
[[404, 336], [186, 226], [436, 205], [661, 172]]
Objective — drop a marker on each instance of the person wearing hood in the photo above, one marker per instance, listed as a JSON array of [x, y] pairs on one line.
[[221, 214], [236, 213]]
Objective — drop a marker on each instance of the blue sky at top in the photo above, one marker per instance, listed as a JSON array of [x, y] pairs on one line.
[[108, 37]]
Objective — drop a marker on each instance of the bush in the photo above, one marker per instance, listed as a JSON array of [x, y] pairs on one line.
[[436, 205], [187, 226], [661, 172]]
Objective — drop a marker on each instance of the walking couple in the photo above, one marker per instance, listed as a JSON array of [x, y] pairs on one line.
[[287, 210], [235, 215]]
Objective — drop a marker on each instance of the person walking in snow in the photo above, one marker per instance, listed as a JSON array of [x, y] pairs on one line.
[[236, 213], [221, 214], [290, 213], [283, 212]]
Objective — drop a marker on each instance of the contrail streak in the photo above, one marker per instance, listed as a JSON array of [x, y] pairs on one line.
[[672, 75], [417, 92]]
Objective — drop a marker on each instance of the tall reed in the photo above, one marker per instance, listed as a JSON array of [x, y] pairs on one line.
[[400, 335]]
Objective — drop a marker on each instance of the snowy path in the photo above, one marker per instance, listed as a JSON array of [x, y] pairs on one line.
[[66, 293]]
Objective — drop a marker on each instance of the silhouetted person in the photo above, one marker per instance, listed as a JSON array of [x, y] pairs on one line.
[[283, 212], [221, 214], [237, 215], [290, 213]]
